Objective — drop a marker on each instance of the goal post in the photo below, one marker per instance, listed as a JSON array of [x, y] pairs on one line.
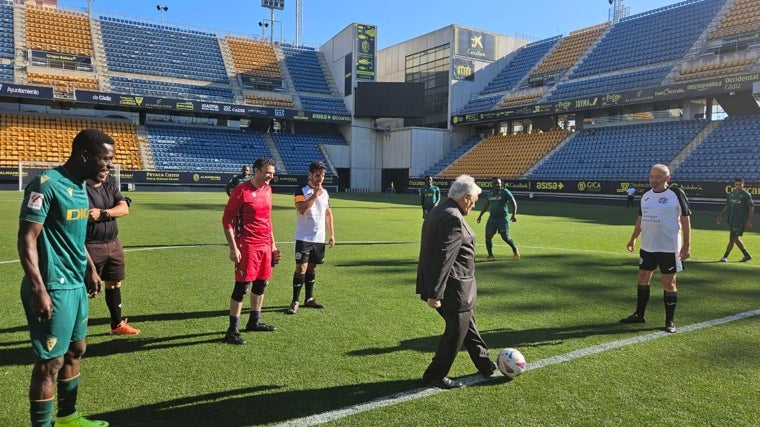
[[27, 170]]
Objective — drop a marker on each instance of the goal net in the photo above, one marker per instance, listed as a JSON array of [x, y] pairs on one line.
[[27, 170]]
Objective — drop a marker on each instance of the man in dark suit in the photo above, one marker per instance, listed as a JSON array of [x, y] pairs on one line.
[[446, 281]]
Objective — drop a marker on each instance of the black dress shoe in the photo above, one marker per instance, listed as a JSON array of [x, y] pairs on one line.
[[488, 372], [444, 383]]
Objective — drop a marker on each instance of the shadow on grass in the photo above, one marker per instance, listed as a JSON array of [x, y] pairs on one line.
[[500, 338], [252, 406]]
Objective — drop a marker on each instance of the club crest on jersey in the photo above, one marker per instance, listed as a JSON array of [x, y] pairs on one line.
[[35, 200], [50, 343], [662, 200]]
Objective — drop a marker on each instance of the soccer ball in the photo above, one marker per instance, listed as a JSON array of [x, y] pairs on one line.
[[511, 362]]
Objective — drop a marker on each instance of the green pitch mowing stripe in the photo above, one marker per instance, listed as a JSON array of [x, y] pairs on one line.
[[418, 393]]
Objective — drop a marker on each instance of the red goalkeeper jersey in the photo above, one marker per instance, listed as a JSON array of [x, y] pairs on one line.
[[249, 212]]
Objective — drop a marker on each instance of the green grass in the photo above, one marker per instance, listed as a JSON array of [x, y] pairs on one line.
[[375, 337]]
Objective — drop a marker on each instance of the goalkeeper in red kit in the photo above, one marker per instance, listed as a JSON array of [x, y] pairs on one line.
[[247, 223]]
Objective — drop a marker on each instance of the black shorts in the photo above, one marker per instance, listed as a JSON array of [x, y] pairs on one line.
[[108, 258], [311, 252], [668, 262]]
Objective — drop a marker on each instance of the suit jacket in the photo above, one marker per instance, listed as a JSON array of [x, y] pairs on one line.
[[446, 267]]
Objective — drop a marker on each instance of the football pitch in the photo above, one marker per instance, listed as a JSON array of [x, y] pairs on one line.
[[359, 360]]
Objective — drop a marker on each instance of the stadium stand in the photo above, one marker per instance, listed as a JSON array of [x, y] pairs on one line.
[[705, 71], [254, 57], [170, 89], [617, 152], [204, 149], [667, 32], [514, 70], [57, 30], [731, 150], [742, 18], [48, 139], [270, 101], [306, 70], [569, 50], [452, 156], [62, 84], [157, 50], [298, 150], [6, 31], [505, 156], [609, 84], [324, 105], [686, 42], [6, 73]]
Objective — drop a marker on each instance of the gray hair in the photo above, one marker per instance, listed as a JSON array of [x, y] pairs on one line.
[[463, 185], [664, 168]]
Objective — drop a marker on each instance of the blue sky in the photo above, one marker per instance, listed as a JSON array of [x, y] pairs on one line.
[[397, 20]]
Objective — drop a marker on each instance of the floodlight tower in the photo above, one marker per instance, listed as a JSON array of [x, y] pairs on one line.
[[299, 21], [272, 5], [618, 10]]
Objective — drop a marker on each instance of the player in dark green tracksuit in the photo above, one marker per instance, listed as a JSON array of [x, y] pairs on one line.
[[740, 210], [430, 195], [500, 203]]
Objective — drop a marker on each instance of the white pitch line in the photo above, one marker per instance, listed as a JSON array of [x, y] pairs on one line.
[[406, 396]]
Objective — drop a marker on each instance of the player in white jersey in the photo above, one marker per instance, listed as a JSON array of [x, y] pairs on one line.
[[314, 222], [665, 227]]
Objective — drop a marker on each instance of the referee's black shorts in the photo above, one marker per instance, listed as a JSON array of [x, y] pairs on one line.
[[108, 258]]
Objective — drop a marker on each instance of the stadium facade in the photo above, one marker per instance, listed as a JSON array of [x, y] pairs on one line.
[[584, 113]]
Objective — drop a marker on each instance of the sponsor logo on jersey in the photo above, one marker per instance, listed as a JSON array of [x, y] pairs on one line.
[[35, 200], [76, 214]]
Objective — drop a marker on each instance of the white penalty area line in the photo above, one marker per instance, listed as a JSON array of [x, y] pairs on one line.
[[418, 393]]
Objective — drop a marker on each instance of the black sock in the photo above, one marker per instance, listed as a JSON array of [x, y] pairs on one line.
[[745, 252], [725, 255], [255, 317], [113, 301], [670, 299], [234, 323], [642, 298], [310, 279], [297, 285]]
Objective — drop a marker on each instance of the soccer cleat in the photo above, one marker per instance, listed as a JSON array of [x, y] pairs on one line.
[[746, 258], [293, 308], [77, 420], [724, 259], [259, 327], [490, 258], [124, 328], [670, 327], [312, 303], [517, 255], [633, 318], [233, 337]]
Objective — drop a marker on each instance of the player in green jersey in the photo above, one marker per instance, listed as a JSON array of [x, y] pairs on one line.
[[243, 176], [500, 203], [58, 276], [430, 195], [740, 212]]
